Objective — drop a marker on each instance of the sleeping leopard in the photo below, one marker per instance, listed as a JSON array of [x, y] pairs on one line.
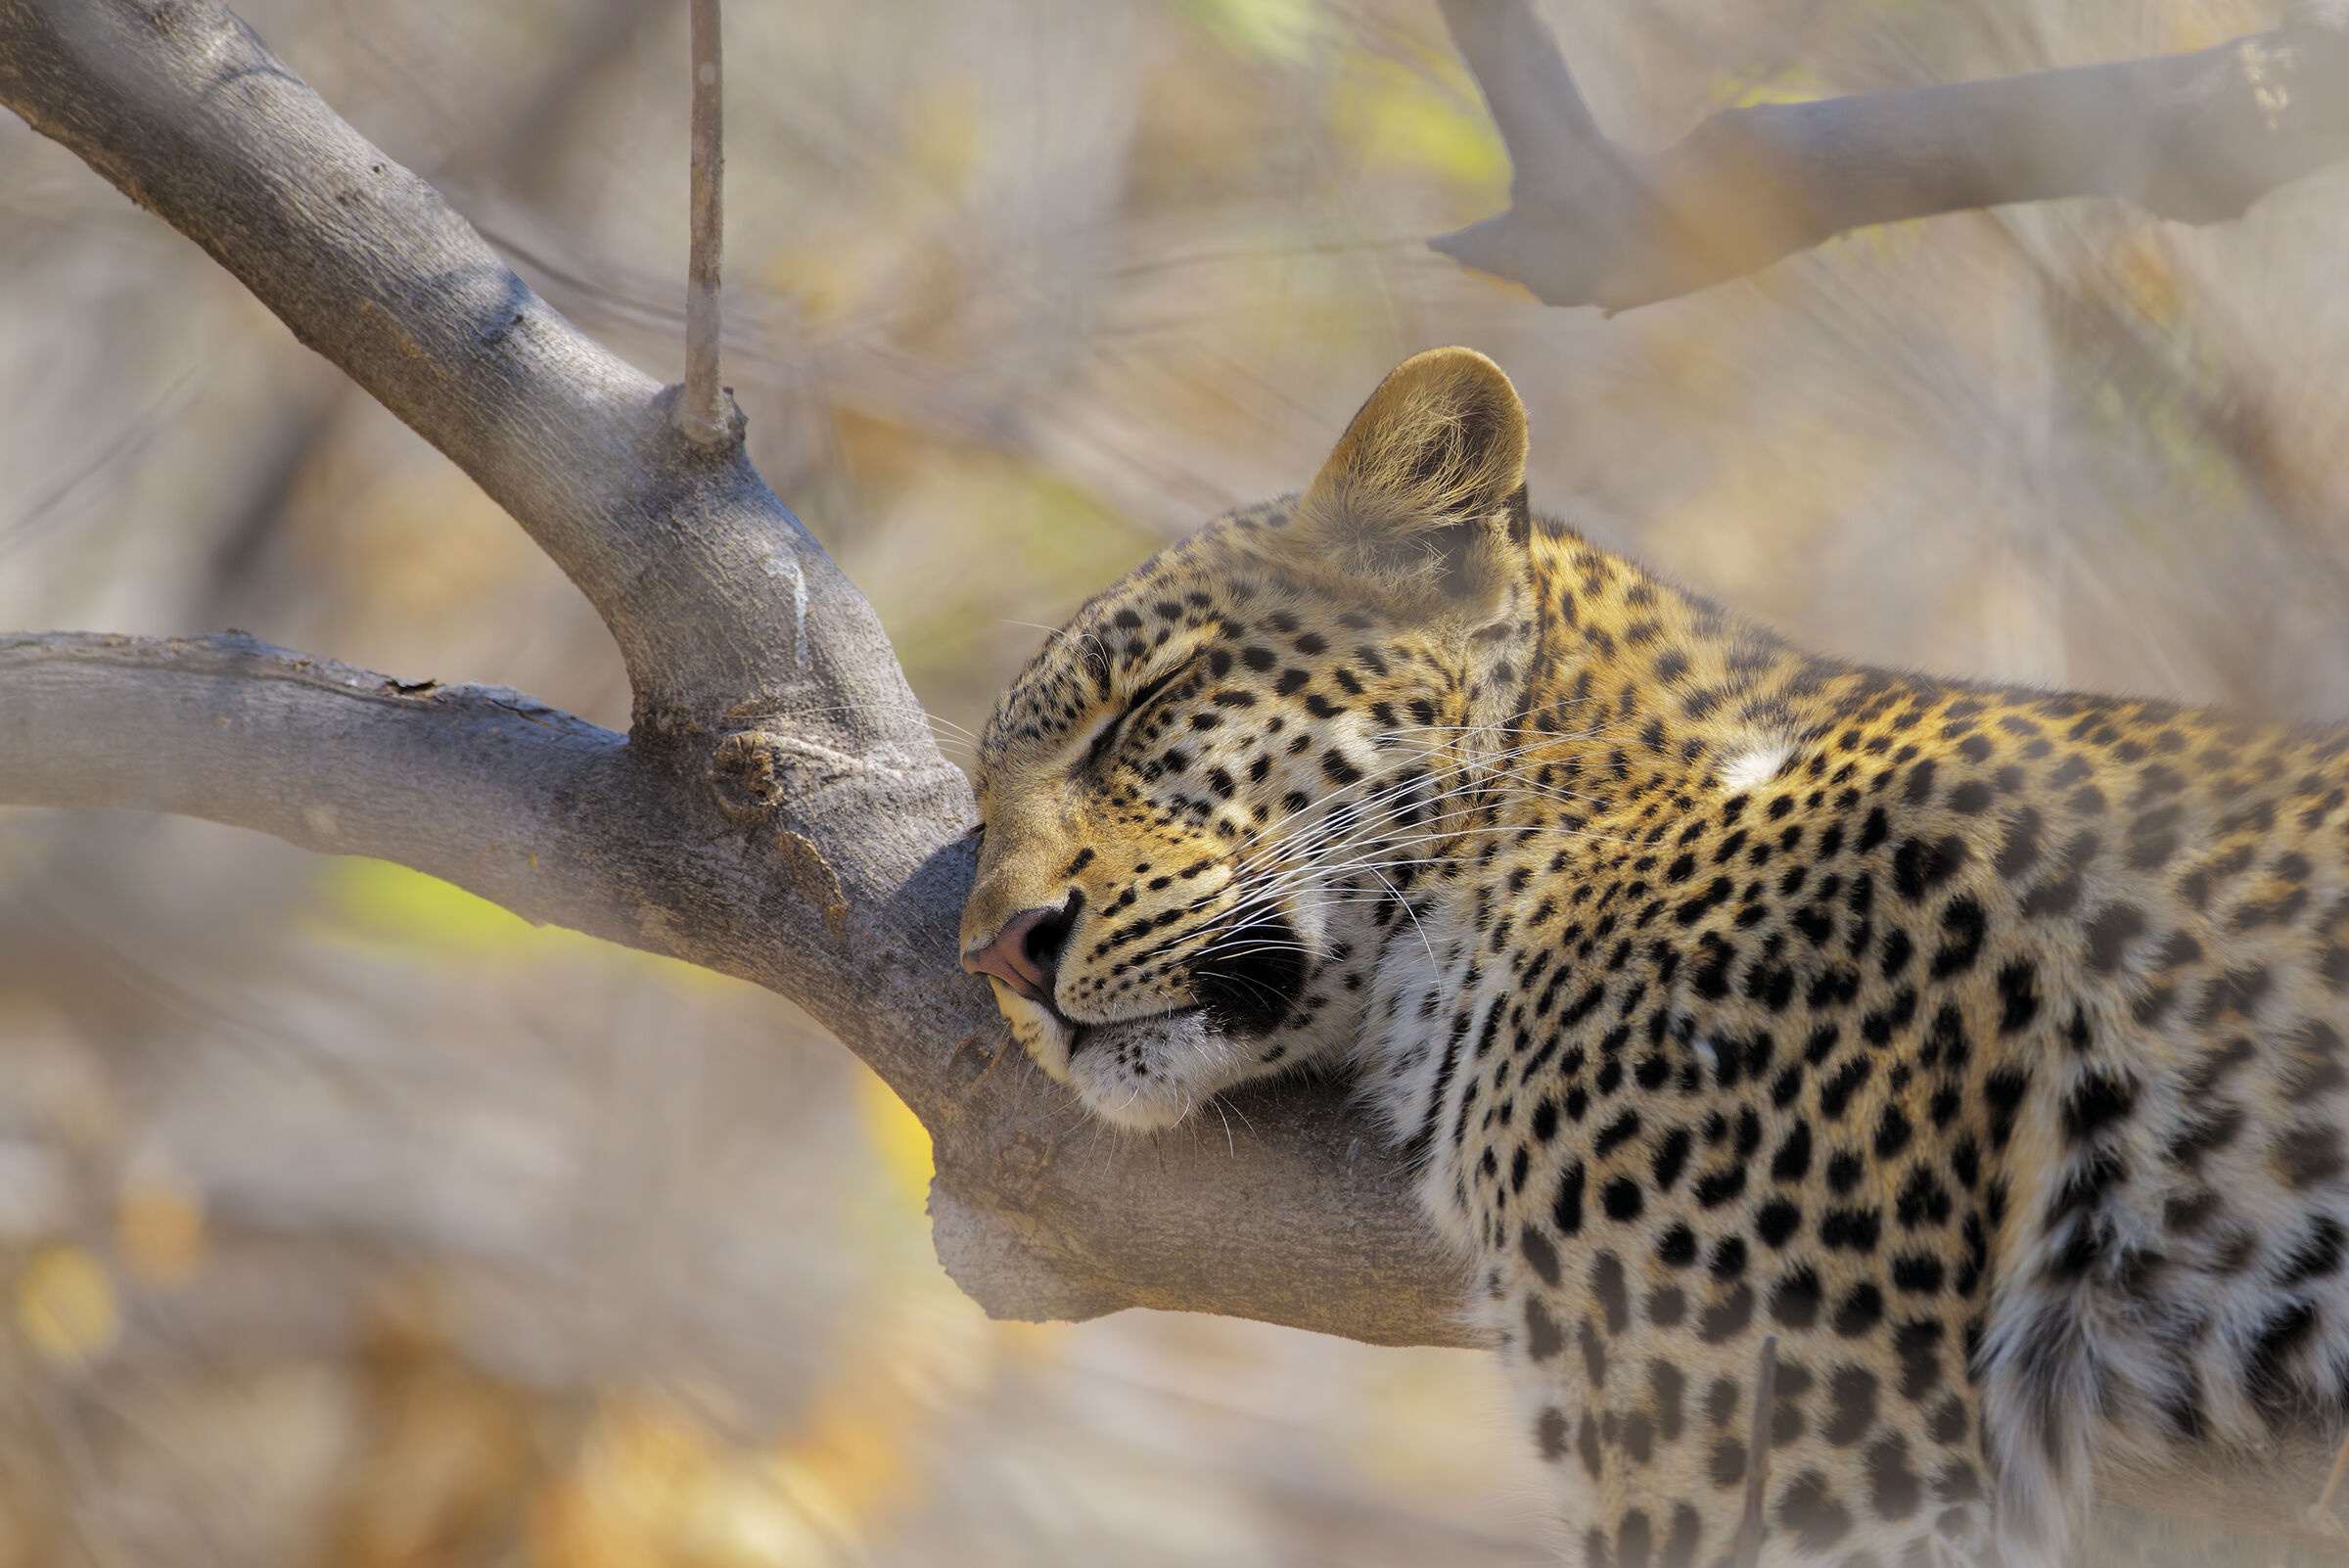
[[1982, 1044]]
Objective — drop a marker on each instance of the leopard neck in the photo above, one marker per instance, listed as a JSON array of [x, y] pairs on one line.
[[1641, 694]]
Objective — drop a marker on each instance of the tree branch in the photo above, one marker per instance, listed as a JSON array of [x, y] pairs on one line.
[[1754, 1523], [181, 107], [2197, 137], [473, 783], [1297, 1214], [778, 812]]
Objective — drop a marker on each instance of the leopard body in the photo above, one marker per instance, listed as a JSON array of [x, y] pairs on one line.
[[1984, 1045]]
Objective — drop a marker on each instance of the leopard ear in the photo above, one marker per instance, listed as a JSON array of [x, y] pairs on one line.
[[1425, 499]]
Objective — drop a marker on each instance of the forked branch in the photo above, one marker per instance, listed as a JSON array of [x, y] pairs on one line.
[[2197, 137], [777, 812]]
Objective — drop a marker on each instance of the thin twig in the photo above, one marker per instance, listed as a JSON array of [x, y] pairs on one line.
[[702, 410], [1748, 1551]]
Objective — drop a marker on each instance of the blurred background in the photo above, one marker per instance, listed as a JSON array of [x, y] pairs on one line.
[[345, 1219]]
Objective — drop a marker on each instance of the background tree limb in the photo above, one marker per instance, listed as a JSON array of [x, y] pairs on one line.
[[2197, 137]]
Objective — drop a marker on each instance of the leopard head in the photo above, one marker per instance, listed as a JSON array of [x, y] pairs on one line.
[[1207, 798]]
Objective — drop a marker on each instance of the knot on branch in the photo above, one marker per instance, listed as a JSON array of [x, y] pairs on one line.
[[746, 774], [754, 771], [1019, 1170], [812, 875], [711, 432]]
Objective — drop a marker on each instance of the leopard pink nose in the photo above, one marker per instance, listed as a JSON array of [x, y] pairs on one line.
[[1026, 953]]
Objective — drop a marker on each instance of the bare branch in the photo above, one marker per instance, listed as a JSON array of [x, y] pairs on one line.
[[1296, 1216], [476, 783], [2320, 1512], [702, 410], [1553, 141], [2197, 137]]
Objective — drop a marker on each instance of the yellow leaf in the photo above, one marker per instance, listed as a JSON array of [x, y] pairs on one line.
[[2142, 265], [946, 134], [66, 1305]]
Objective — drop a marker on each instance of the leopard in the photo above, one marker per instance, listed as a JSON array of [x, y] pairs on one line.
[[1977, 1048]]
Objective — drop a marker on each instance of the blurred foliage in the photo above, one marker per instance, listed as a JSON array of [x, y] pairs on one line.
[[407, 908], [1419, 115], [346, 1219], [66, 1305], [1280, 31]]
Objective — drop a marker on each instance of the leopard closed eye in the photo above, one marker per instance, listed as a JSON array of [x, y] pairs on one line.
[[1983, 1044]]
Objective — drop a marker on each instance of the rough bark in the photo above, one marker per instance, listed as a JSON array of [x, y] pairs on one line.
[[777, 811], [2197, 137]]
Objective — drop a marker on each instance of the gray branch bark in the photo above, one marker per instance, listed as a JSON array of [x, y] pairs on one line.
[[777, 811], [2195, 137]]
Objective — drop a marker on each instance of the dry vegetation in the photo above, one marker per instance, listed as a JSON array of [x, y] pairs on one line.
[[347, 1220]]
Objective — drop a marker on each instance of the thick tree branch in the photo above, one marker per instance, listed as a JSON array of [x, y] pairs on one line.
[[1294, 1214], [2197, 137]]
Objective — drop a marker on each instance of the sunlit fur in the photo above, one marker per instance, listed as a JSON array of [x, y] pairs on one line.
[[1985, 1046]]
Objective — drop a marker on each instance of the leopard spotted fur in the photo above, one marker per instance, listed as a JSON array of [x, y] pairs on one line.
[[1983, 1044]]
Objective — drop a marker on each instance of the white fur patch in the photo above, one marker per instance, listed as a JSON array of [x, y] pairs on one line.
[[1145, 1074], [1756, 766]]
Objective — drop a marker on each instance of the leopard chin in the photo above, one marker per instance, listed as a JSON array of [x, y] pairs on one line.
[[1148, 1074]]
